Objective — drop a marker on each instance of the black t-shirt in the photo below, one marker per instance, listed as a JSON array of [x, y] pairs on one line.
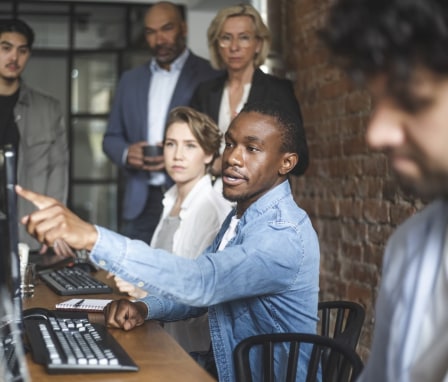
[[9, 133]]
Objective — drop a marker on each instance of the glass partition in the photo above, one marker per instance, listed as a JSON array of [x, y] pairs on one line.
[[136, 17], [133, 59], [5, 10], [99, 26], [91, 162], [96, 203], [80, 51], [50, 23], [94, 78]]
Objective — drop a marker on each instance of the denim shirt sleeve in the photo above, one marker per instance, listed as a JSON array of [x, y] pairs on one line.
[[249, 266], [165, 309]]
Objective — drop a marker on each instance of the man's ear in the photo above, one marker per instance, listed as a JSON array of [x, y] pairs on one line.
[[289, 161]]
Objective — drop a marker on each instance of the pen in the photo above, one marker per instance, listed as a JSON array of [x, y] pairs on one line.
[[79, 302]]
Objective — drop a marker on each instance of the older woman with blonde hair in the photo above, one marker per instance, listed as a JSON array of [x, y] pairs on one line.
[[239, 43]]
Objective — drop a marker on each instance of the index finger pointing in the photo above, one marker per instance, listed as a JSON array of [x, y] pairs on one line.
[[40, 201]]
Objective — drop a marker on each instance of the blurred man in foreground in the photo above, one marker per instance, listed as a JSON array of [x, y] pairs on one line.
[[398, 50]]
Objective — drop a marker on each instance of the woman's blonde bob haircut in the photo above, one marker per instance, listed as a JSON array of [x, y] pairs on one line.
[[215, 28]]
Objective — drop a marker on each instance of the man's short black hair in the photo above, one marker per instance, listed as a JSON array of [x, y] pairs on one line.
[[293, 133], [388, 37], [18, 26]]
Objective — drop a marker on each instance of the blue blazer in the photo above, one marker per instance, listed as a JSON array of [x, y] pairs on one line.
[[128, 122]]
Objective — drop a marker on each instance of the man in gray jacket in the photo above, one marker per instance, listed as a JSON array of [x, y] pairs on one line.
[[32, 122]]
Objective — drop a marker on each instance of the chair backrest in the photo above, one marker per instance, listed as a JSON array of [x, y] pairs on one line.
[[255, 359], [341, 320]]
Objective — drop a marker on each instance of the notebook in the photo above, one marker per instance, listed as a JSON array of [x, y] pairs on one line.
[[85, 305]]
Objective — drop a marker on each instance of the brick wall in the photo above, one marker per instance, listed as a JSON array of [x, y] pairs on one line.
[[348, 191]]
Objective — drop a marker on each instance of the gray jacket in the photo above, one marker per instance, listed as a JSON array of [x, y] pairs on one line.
[[43, 152]]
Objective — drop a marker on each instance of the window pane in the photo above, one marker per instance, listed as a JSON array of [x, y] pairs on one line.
[[50, 23], [133, 59], [88, 160], [96, 203], [5, 10], [93, 82], [137, 16], [42, 8], [99, 27]]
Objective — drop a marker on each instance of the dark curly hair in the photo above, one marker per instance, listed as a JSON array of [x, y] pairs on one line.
[[293, 133], [389, 37]]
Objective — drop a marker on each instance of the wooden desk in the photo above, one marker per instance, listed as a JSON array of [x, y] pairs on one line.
[[158, 356]]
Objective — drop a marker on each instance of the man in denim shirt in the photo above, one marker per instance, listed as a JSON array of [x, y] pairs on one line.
[[261, 273]]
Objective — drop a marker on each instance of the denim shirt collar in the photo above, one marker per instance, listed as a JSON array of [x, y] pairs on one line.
[[265, 202], [256, 209]]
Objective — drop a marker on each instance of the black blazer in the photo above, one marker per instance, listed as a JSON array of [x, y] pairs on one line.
[[208, 94]]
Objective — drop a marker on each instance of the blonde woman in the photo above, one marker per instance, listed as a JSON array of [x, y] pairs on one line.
[[239, 43]]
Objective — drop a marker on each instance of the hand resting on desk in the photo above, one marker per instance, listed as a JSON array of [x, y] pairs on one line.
[[125, 314]]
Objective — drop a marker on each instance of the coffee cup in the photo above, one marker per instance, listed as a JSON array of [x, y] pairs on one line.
[[152, 151]]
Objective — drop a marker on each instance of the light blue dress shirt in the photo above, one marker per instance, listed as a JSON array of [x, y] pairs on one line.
[[160, 93]]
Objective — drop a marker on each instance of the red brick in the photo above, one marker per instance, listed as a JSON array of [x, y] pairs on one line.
[[376, 211], [349, 190], [401, 211]]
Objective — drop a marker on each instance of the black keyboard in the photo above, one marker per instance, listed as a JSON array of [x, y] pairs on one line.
[[74, 345], [72, 281]]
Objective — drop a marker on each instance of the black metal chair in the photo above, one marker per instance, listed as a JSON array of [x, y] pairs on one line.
[[338, 361], [341, 320]]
